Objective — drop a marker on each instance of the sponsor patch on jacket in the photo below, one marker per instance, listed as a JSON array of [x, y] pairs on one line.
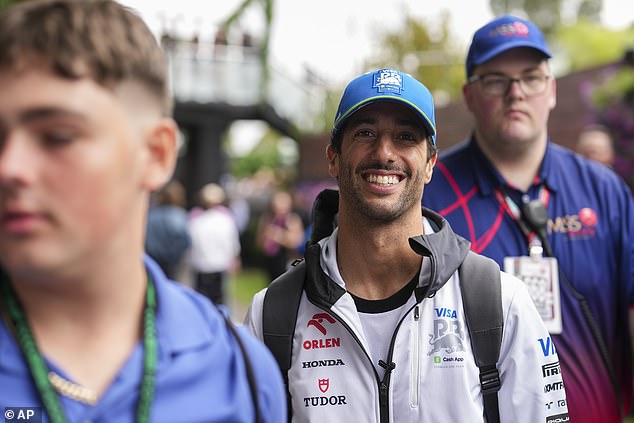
[[447, 341], [325, 401], [321, 322], [559, 418]]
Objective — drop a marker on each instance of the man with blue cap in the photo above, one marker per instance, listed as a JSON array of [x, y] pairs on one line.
[[563, 224], [379, 331]]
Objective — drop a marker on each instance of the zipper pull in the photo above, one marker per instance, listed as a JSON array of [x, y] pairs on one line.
[[416, 314]]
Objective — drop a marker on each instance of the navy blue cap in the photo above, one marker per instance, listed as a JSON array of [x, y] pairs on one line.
[[502, 34], [387, 85]]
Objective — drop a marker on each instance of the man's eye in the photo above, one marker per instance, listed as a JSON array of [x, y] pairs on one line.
[[364, 133], [495, 81], [58, 137], [407, 137], [532, 79]]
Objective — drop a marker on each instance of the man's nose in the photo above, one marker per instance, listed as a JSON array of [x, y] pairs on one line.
[[384, 147], [16, 159]]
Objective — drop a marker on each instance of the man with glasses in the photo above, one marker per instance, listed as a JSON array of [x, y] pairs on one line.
[[563, 224]]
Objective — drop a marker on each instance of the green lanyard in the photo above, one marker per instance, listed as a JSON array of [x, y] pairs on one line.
[[39, 370]]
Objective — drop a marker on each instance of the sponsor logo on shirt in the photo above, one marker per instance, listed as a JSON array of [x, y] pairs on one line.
[[555, 386], [322, 363], [547, 346], [324, 384], [321, 401], [319, 322], [559, 418], [556, 404], [581, 225], [447, 341], [551, 369]]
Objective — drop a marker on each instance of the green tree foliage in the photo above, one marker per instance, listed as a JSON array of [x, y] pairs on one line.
[[265, 155], [267, 9], [425, 51], [6, 3], [546, 14], [587, 44]]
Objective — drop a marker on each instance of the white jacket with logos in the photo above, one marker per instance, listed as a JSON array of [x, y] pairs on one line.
[[435, 378]]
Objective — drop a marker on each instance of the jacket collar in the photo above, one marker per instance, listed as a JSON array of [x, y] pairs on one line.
[[445, 249]]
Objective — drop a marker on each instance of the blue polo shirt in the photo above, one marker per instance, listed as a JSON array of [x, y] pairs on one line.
[[200, 373], [591, 231]]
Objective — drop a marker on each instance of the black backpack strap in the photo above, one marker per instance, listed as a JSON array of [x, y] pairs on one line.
[[481, 290], [279, 314], [248, 368]]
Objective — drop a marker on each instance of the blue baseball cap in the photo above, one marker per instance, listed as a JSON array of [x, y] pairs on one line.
[[502, 34], [386, 85]]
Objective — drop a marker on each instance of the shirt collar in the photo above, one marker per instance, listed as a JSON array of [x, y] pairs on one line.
[[183, 318], [489, 179]]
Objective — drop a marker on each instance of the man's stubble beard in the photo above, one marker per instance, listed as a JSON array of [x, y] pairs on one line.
[[384, 212]]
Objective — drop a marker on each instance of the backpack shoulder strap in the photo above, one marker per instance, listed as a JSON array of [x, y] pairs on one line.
[[279, 315], [248, 368], [480, 286]]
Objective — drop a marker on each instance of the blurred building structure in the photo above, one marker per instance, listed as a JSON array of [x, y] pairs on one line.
[[217, 83]]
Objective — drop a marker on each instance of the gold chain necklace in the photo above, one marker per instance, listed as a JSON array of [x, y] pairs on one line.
[[72, 390]]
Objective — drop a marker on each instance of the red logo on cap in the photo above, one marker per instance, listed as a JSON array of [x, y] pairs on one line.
[[520, 28], [515, 29]]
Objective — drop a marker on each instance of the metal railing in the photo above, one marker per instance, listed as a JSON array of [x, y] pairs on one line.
[[232, 74]]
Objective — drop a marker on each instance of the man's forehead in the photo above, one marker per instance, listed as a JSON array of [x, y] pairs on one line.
[[386, 109], [522, 58]]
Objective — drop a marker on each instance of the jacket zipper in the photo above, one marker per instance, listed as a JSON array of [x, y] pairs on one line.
[[384, 385], [416, 359]]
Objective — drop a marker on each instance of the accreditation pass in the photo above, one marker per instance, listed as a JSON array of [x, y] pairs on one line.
[[541, 277]]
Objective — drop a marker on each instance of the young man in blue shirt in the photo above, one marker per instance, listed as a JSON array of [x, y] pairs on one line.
[[90, 330], [562, 223]]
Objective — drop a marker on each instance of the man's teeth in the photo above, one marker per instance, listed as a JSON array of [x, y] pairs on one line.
[[383, 179]]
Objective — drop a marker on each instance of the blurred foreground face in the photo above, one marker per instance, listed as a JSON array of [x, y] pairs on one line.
[[596, 145], [71, 170]]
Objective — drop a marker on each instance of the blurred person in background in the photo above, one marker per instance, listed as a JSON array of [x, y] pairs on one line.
[[215, 252], [167, 239], [595, 143], [280, 234], [562, 223]]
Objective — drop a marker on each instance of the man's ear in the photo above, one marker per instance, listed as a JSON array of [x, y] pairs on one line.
[[333, 161], [553, 93], [161, 144], [429, 167], [467, 96]]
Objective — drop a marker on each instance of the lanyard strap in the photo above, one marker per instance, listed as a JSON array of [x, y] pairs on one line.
[[39, 370], [513, 210]]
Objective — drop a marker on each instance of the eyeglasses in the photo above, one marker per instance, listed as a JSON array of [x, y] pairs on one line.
[[498, 85]]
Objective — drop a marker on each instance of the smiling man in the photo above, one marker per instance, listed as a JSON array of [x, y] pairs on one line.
[[563, 224], [380, 331]]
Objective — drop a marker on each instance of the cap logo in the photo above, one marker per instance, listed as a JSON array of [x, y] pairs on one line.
[[515, 29], [388, 81]]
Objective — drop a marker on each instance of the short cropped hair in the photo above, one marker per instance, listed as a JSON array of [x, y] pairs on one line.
[[96, 39]]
